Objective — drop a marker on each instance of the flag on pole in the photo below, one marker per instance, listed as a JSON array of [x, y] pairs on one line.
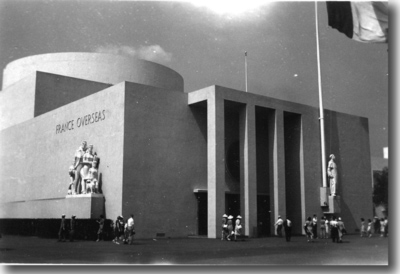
[[366, 22]]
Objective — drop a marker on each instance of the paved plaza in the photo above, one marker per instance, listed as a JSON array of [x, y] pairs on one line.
[[271, 251]]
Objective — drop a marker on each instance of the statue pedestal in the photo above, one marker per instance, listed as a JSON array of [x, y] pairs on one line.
[[324, 193], [85, 206], [334, 205]]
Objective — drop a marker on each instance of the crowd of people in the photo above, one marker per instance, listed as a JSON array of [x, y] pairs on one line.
[[63, 231], [231, 231], [334, 228], [123, 230], [376, 226]]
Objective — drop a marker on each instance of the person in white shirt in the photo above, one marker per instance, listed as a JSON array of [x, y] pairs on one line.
[[279, 226], [130, 229], [327, 228], [238, 227]]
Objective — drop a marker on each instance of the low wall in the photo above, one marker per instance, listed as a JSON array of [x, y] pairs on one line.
[[85, 229]]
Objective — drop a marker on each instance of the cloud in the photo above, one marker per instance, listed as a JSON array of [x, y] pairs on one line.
[[154, 53]]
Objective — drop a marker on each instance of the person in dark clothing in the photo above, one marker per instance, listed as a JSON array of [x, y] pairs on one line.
[[224, 232], [308, 230], [119, 229], [334, 230], [377, 225], [100, 232], [63, 229], [287, 225], [72, 229]]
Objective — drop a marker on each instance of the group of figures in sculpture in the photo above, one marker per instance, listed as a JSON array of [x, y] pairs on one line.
[[83, 171]]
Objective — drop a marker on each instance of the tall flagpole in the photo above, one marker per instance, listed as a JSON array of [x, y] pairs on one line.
[[245, 67], [321, 106]]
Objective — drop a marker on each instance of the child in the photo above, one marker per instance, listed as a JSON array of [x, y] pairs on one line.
[[238, 227], [224, 227], [308, 230], [369, 229], [230, 227], [363, 229]]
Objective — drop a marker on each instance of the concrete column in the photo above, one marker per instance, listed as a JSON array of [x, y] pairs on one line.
[[216, 164], [277, 176], [248, 174]]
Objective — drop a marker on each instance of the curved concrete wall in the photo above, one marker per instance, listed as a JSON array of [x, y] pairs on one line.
[[99, 67]]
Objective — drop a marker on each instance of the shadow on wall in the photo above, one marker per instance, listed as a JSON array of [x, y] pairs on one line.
[[101, 183], [348, 218], [199, 112]]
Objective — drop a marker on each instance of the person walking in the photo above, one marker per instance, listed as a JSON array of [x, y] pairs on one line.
[[386, 227], [63, 229], [377, 225], [72, 229], [382, 223], [224, 232], [287, 225], [308, 230], [126, 232], [100, 232], [334, 230], [131, 229], [230, 227], [341, 229], [327, 228], [238, 228], [118, 229], [363, 228], [315, 226], [322, 228], [369, 228], [279, 226]]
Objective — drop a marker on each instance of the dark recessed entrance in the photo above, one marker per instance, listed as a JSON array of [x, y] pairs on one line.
[[202, 221], [263, 216], [232, 204]]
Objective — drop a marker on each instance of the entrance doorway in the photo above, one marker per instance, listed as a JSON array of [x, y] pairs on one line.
[[232, 204], [202, 214], [263, 216]]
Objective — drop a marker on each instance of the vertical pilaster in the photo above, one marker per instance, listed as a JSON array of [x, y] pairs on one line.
[[248, 175], [278, 200], [216, 164], [302, 180]]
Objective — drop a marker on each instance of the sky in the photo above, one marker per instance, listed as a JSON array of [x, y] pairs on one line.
[[205, 43]]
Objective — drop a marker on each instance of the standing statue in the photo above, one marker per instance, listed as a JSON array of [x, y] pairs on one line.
[[78, 166], [332, 174], [92, 179], [71, 173], [87, 160]]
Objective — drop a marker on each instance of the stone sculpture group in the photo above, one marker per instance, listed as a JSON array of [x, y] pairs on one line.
[[83, 171]]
